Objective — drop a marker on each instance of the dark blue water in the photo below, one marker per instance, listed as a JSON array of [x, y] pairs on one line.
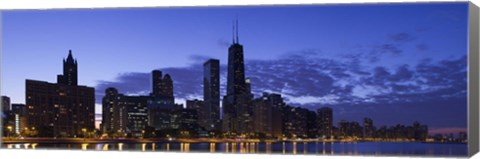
[[313, 148]]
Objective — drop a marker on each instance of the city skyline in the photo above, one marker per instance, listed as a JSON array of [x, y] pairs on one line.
[[330, 85]]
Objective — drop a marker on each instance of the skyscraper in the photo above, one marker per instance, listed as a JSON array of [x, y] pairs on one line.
[[237, 110], [325, 122], [201, 111], [211, 93], [161, 104], [295, 122], [156, 82], [267, 115], [19, 111], [70, 71], [124, 115], [5, 103], [262, 115], [136, 114], [61, 109], [368, 129], [114, 119], [161, 86]]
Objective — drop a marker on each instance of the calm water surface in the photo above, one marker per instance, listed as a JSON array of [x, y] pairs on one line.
[[318, 148]]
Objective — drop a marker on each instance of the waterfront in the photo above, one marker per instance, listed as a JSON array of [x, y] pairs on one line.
[[290, 148]]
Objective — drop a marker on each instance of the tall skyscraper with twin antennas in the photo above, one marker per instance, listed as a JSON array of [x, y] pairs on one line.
[[237, 114]]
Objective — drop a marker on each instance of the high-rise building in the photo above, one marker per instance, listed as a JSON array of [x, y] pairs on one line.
[[160, 110], [5, 103], [166, 88], [237, 109], [161, 105], [70, 71], [267, 115], [262, 115], [156, 82], [277, 117], [161, 86], [420, 131], [312, 124], [61, 109], [19, 111], [136, 114], [368, 129], [201, 112], [113, 116], [211, 93], [349, 130], [295, 122], [124, 115], [325, 122], [187, 120]]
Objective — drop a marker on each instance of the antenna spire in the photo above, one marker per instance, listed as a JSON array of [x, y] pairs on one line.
[[237, 27], [233, 32]]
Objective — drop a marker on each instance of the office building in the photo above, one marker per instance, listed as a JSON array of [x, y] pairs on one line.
[[61, 109], [211, 94]]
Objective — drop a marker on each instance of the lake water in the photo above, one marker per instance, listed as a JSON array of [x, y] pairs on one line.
[[313, 148]]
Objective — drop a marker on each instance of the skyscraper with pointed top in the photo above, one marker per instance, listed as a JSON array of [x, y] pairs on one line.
[[237, 111], [62, 109], [70, 71]]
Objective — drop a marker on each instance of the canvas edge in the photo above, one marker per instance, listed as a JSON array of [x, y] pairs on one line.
[[473, 79], [1, 77]]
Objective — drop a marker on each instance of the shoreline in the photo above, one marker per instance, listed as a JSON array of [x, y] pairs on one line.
[[198, 140]]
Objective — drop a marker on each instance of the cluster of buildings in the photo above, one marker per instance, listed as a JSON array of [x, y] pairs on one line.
[[66, 109]]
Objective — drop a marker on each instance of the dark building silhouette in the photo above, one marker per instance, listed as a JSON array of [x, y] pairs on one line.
[[61, 109], [113, 116], [277, 111], [8, 123], [160, 110], [295, 122], [19, 111], [349, 130], [124, 115], [325, 122], [420, 131], [161, 86], [211, 94], [157, 80], [312, 124], [201, 112], [136, 108], [262, 115], [166, 88], [237, 110], [5, 103], [368, 128], [187, 120], [161, 104], [70, 71], [267, 115]]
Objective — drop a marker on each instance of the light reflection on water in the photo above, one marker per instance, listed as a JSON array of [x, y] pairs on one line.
[[320, 148]]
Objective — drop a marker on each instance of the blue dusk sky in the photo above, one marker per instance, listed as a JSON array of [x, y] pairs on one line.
[[394, 63]]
